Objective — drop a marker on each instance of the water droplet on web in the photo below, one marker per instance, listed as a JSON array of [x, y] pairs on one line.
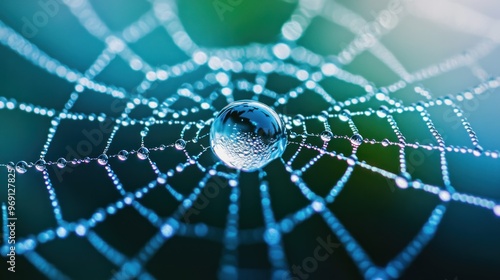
[[200, 124], [295, 176], [318, 206], [122, 155], [144, 132], [403, 181], [323, 117], [11, 166], [298, 120], [345, 115], [61, 162], [326, 135], [22, 167], [496, 210], [380, 96], [40, 165], [179, 167], [180, 144], [478, 151], [102, 159], [143, 153], [385, 142], [356, 140], [351, 161], [162, 179], [233, 183], [247, 135], [383, 111], [444, 195]]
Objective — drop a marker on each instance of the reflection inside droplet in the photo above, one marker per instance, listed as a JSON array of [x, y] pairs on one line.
[[247, 135]]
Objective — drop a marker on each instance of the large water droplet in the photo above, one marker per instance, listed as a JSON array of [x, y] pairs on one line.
[[385, 142], [40, 165], [162, 179], [11, 166], [403, 181], [326, 135], [102, 159], [180, 144], [123, 155], [345, 115], [298, 120], [144, 132], [478, 151], [351, 161], [383, 111], [200, 124], [247, 125], [323, 117], [496, 210], [143, 153], [22, 167], [356, 140], [295, 176], [61, 162]]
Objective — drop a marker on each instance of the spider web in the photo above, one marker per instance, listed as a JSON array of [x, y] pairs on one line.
[[188, 110]]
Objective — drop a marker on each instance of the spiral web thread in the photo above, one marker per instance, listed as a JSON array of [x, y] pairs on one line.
[[284, 58]]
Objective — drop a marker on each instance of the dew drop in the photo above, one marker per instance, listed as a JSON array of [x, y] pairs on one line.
[[295, 176], [298, 120], [351, 161], [326, 135], [143, 153], [383, 111], [180, 144], [403, 180], [444, 195], [102, 159], [380, 96], [385, 142], [247, 125], [179, 167], [22, 167], [233, 183], [478, 151], [40, 165], [318, 206], [122, 155], [496, 210], [345, 115], [61, 162], [323, 117], [11, 166], [200, 124], [356, 140], [162, 179]]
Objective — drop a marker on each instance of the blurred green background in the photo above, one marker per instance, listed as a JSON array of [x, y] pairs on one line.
[[381, 218]]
